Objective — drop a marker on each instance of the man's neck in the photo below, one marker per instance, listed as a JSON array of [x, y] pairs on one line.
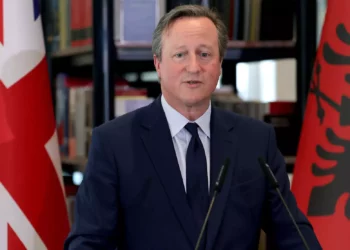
[[192, 112]]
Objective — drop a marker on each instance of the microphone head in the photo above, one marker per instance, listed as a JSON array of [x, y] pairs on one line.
[[262, 162], [268, 173], [222, 175]]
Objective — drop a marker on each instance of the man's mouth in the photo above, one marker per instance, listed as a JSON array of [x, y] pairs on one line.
[[193, 82]]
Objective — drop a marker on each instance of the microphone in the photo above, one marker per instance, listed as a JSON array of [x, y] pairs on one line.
[[218, 185], [274, 183]]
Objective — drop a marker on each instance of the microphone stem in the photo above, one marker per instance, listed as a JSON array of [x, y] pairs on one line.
[[294, 222], [205, 221]]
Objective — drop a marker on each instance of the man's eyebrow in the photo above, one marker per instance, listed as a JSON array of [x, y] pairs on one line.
[[205, 45], [201, 46]]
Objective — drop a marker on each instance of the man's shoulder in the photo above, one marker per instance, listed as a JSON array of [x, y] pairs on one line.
[[242, 122], [251, 134]]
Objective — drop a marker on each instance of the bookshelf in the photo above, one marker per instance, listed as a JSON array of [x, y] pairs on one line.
[[90, 61]]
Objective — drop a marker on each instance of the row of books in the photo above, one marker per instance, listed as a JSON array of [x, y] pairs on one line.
[[257, 20], [68, 23], [74, 111], [280, 114]]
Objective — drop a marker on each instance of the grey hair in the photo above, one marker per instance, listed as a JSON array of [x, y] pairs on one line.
[[189, 11]]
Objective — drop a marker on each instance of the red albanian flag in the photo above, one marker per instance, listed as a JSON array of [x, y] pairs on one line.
[[321, 181]]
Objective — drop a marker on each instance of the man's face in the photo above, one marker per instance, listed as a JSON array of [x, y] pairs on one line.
[[190, 64]]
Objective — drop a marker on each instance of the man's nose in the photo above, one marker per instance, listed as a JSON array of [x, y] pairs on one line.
[[193, 65]]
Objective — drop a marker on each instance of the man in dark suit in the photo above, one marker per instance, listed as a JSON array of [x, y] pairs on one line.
[[151, 173]]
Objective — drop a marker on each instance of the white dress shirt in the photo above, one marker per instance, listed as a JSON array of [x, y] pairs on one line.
[[181, 137]]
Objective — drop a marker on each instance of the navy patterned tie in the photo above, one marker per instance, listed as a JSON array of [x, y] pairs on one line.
[[196, 177]]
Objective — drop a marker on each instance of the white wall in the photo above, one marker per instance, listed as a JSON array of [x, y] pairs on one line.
[[267, 81]]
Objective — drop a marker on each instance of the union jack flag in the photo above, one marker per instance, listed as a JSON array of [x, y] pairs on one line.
[[33, 213]]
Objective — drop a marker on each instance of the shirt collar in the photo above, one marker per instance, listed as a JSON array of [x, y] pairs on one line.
[[177, 121]]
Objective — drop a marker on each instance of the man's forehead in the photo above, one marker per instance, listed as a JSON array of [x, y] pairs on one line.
[[170, 28]]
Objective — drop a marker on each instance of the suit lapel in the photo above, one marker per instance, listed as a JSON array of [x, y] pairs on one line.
[[159, 145], [223, 145]]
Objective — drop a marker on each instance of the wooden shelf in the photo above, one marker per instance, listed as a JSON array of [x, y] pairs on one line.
[[74, 164], [239, 51], [74, 51], [290, 160]]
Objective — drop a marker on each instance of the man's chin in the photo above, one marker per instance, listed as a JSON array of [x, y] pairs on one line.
[[195, 102]]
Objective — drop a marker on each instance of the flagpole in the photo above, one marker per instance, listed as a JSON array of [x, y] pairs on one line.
[[104, 59], [306, 50]]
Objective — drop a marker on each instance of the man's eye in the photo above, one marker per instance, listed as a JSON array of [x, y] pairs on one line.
[[204, 54], [179, 55]]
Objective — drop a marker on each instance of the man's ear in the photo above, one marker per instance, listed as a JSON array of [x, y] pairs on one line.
[[221, 67], [156, 62]]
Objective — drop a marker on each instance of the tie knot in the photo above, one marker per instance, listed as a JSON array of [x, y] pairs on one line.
[[192, 128]]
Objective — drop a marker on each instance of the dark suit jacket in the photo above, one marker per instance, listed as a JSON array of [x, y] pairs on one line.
[[133, 197]]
